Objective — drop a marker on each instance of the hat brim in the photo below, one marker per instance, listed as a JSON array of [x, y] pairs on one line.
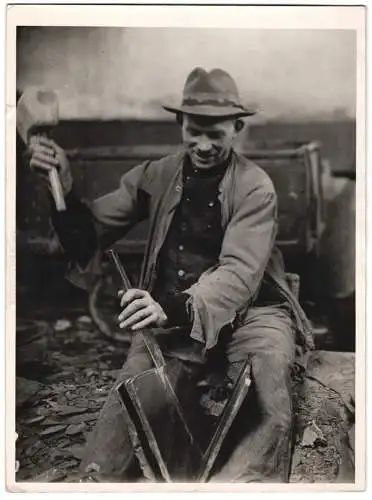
[[212, 111]]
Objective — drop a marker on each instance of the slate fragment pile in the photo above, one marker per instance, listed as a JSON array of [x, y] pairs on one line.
[[58, 399], [325, 415]]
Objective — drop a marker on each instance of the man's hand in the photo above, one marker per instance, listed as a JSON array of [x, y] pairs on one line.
[[140, 310], [46, 154]]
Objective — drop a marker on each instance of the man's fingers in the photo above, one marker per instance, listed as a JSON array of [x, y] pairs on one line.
[[136, 317], [133, 306], [43, 141], [41, 150], [35, 145], [58, 149], [43, 157], [150, 320], [133, 293], [41, 165]]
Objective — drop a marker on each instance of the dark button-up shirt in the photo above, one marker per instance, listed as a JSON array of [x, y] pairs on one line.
[[193, 243]]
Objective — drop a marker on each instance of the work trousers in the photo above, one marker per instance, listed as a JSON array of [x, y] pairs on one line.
[[261, 452]]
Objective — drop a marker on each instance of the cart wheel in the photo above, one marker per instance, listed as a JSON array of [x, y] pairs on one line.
[[103, 311]]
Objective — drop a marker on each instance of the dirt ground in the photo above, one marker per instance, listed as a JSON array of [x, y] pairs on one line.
[[65, 369]]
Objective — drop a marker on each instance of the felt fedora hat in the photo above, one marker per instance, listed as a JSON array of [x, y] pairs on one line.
[[212, 93]]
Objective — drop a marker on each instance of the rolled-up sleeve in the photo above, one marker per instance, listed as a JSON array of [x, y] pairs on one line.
[[247, 245]]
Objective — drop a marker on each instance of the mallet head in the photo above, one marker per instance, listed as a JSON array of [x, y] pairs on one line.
[[37, 111]]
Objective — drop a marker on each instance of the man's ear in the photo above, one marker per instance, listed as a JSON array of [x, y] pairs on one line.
[[179, 118], [239, 124]]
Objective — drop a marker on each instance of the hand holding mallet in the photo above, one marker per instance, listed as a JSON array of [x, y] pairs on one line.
[[37, 113]]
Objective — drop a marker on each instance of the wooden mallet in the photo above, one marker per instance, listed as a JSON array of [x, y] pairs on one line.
[[37, 113]]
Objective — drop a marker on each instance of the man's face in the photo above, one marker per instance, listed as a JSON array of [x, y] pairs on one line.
[[208, 140]]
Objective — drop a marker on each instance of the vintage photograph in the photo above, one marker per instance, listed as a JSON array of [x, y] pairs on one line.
[[185, 224]]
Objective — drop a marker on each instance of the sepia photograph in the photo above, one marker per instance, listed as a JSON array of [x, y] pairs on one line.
[[184, 227]]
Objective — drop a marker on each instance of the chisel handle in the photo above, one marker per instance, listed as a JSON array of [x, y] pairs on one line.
[[148, 337], [119, 266], [57, 190]]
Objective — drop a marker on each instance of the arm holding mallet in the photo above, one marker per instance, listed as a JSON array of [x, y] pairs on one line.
[[37, 114]]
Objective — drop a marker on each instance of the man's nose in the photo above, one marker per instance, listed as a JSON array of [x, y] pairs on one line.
[[204, 146]]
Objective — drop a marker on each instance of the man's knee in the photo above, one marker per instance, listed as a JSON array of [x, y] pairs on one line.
[[279, 361], [271, 375], [275, 365], [138, 361], [281, 418], [264, 334], [272, 370]]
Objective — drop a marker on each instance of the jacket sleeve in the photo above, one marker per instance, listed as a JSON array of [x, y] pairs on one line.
[[174, 306], [228, 287], [86, 229]]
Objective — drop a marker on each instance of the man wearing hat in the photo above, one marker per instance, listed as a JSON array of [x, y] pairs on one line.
[[211, 267]]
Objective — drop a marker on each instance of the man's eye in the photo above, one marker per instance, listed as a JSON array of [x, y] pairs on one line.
[[193, 133], [209, 135]]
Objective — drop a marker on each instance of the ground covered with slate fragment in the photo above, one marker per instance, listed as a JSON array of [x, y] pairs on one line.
[[63, 377], [65, 368]]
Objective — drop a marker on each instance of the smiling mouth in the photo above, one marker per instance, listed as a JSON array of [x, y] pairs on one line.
[[205, 159]]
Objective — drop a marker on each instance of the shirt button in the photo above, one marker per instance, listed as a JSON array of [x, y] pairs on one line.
[[211, 204], [181, 247], [188, 199], [181, 273], [178, 188], [183, 226]]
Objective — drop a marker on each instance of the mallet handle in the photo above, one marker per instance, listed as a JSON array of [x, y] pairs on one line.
[[57, 190]]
